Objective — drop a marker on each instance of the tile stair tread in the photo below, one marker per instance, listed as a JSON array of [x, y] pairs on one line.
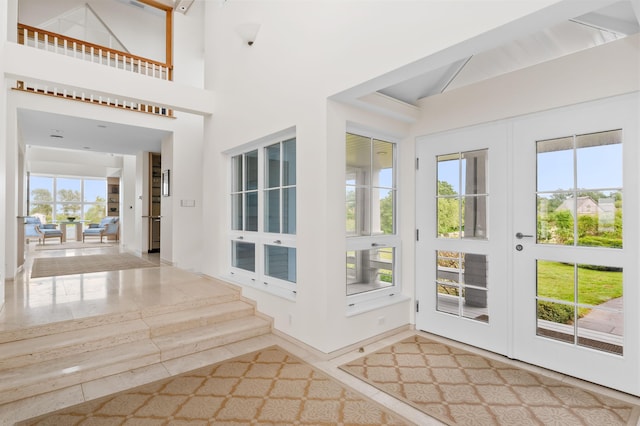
[[76, 340], [18, 383], [202, 316], [48, 375], [197, 335], [34, 331]]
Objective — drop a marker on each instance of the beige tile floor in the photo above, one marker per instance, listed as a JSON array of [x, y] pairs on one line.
[[51, 299]]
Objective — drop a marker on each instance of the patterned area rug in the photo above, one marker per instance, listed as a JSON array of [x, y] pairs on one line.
[[267, 387], [461, 388], [55, 266]]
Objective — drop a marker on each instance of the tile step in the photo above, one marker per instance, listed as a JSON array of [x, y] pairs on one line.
[[174, 322], [199, 339], [47, 376], [39, 349], [94, 321], [77, 368]]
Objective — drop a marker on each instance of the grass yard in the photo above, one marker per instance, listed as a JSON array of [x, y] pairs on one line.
[[556, 281]]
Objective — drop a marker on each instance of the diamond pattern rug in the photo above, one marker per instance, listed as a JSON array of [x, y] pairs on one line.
[[461, 388], [267, 387], [56, 266]]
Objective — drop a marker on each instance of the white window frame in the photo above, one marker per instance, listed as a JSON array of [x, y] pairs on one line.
[[371, 299], [259, 279]]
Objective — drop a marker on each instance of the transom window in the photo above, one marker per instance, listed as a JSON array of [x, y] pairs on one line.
[[263, 216]]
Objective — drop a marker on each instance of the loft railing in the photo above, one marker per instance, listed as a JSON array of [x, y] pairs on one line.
[[52, 42], [58, 43], [75, 95]]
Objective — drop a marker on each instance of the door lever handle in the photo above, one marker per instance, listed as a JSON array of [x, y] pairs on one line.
[[520, 236]]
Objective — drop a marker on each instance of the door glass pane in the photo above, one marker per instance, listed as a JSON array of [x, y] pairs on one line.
[[599, 219], [555, 281], [462, 195], [599, 160], [272, 210], [579, 190], [555, 221], [555, 164], [461, 285], [449, 217], [289, 162], [243, 255], [280, 262], [600, 297], [555, 321], [581, 304], [475, 217], [449, 174], [369, 270]]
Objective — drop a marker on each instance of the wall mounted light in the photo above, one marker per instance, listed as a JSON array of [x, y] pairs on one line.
[[248, 32]]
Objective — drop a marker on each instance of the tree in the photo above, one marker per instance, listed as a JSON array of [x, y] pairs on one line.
[[70, 200], [386, 214], [41, 203], [448, 209], [96, 212]]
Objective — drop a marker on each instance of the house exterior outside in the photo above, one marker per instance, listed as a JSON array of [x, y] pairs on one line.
[[315, 72]]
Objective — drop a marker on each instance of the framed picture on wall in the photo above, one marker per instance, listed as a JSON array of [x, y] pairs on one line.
[[165, 183]]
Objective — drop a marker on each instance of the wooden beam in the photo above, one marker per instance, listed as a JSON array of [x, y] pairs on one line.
[[157, 4]]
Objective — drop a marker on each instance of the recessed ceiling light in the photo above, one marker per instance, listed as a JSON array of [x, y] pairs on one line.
[[86, 147], [102, 126], [56, 136]]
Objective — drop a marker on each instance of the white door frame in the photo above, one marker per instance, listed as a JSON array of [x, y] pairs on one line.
[[518, 339]]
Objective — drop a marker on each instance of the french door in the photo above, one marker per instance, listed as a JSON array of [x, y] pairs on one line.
[[560, 247], [461, 208]]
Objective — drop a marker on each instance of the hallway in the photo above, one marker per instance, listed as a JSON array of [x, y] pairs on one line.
[[34, 306], [49, 303]]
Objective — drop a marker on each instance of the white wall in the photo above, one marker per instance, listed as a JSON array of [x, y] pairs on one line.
[[304, 53], [3, 154], [130, 222]]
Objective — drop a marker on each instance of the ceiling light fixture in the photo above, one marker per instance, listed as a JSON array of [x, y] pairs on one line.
[[183, 5], [248, 32]]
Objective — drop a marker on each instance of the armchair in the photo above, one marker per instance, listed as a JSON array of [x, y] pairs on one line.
[[107, 226], [34, 228]]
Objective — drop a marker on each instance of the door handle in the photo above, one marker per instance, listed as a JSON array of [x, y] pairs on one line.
[[520, 236]]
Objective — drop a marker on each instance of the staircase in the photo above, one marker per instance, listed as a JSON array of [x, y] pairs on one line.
[[50, 357]]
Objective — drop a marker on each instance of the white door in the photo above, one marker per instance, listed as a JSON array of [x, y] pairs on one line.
[[528, 239], [575, 278], [461, 255]]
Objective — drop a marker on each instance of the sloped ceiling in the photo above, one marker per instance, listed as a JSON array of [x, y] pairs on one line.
[[583, 32]]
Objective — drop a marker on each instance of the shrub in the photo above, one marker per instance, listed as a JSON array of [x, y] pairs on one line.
[[554, 312]]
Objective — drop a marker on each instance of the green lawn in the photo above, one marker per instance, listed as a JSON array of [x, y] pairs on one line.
[[555, 280]]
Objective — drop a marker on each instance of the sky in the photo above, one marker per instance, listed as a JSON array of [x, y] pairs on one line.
[[598, 167], [92, 187]]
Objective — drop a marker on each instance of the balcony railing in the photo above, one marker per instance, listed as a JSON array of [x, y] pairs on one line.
[[58, 43], [52, 42]]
